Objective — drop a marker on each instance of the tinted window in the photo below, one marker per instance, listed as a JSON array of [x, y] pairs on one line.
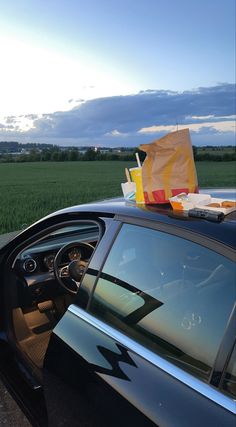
[[229, 383], [169, 294]]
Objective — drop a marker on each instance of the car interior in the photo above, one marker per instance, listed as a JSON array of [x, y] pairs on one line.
[[45, 278]]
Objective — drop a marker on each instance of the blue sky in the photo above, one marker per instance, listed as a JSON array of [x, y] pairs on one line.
[[105, 72]]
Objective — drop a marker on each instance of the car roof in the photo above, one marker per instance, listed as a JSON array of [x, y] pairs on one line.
[[223, 231]]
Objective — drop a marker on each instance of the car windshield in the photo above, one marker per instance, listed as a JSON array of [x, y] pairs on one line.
[[74, 229], [79, 232]]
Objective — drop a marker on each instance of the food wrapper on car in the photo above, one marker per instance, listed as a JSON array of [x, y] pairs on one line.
[[128, 188], [168, 168]]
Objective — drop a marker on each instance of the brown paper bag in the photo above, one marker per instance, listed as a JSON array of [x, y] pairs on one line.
[[168, 168]]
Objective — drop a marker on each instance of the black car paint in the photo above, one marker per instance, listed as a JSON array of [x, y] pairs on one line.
[[77, 390], [120, 386], [163, 400]]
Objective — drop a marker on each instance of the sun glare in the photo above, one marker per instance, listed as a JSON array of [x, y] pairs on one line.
[[37, 80]]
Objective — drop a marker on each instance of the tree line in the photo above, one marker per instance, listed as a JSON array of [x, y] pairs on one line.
[[59, 155], [56, 154]]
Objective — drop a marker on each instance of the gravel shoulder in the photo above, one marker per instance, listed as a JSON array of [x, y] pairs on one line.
[[10, 413]]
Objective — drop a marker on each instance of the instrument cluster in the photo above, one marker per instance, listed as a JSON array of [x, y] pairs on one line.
[[72, 255], [40, 262]]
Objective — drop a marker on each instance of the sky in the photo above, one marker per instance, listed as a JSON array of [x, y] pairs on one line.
[[117, 73]]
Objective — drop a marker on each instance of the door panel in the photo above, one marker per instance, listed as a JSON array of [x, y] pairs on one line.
[[93, 379]]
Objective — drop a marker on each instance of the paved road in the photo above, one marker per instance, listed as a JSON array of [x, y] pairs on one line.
[[10, 413]]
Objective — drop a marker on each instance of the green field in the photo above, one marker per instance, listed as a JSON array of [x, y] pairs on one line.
[[32, 190]]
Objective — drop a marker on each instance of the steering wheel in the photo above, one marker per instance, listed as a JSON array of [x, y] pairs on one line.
[[69, 273]]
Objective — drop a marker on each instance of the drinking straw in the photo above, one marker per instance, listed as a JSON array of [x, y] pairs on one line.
[[127, 175], [138, 160]]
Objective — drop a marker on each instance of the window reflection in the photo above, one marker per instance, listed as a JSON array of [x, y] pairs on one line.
[[169, 294], [123, 299]]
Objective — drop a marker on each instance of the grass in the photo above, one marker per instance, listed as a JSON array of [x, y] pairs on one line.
[[31, 190], [216, 174]]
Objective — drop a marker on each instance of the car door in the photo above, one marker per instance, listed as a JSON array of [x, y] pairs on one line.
[[148, 339], [32, 301]]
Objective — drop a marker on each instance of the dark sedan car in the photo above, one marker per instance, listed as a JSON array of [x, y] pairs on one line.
[[119, 315]]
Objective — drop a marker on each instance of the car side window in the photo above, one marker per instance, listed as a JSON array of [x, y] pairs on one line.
[[229, 381], [169, 294]]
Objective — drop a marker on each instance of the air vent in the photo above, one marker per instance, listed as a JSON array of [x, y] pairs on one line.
[[29, 265]]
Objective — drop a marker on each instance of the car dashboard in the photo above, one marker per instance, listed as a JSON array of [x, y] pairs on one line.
[[35, 265]]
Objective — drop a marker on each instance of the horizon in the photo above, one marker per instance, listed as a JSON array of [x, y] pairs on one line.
[[100, 147]]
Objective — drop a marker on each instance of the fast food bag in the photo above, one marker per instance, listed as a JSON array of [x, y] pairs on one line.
[[168, 168]]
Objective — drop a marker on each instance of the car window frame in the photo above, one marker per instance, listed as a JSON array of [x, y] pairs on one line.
[[223, 377], [224, 352], [38, 237]]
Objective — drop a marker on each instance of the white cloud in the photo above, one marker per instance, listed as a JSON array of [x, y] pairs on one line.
[[221, 126], [210, 116], [21, 123], [115, 133], [216, 118]]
